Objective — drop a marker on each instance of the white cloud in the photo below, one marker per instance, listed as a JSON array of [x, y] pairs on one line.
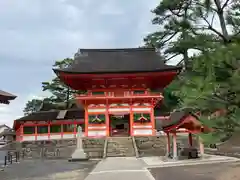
[[109, 7], [4, 109], [36, 33]]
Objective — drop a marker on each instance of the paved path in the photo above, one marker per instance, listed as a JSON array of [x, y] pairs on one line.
[[2, 157], [220, 171], [47, 170], [120, 168]]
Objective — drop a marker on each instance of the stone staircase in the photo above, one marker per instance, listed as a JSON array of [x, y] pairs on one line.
[[120, 147]]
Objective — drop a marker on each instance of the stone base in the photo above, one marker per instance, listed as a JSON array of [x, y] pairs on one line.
[[79, 155], [77, 160]]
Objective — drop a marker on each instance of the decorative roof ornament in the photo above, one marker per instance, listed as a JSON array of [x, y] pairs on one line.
[[142, 118]]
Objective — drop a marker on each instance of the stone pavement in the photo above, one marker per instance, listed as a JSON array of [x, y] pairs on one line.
[[47, 170], [220, 171], [2, 156], [129, 168], [158, 161], [126, 168]]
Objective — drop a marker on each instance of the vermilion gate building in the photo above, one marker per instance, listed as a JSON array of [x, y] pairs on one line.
[[122, 87]]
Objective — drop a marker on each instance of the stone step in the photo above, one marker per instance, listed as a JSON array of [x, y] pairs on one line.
[[120, 147]]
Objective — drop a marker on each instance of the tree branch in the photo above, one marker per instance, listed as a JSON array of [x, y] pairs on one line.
[[168, 59], [224, 5], [161, 20], [168, 39], [210, 27], [213, 18], [180, 62], [199, 4]]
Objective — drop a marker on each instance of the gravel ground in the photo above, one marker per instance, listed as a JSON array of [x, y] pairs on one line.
[[47, 170], [223, 171]]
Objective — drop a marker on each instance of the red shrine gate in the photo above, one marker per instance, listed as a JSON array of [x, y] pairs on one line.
[[139, 104], [116, 82]]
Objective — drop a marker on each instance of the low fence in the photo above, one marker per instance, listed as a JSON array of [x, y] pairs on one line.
[[9, 158]]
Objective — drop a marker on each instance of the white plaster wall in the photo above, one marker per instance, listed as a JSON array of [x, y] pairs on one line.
[[96, 127], [142, 132], [96, 110], [142, 126], [68, 136], [45, 137], [118, 110], [97, 133], [141, 109], [55, 136], [28, 138]]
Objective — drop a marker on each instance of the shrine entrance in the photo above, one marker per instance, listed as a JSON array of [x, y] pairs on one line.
[[119, 125]]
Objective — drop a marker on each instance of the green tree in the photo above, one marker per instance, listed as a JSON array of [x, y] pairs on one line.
[[192, 26], [209, 82], [213, 85], [33, 105], [60, 92], [186, 25]]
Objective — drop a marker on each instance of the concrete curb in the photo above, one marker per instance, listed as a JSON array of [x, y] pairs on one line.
[[174, 164]]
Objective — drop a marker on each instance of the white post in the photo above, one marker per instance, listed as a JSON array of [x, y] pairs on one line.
[[79, 137], [174, 146], [201, 146], [168, 144]]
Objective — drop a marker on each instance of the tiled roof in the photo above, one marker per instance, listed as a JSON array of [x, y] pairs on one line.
[[118, 61], [52, 115], [175, 118], [5, 97]]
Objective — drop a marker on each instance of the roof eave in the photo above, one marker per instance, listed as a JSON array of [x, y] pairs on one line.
[[67, 71]]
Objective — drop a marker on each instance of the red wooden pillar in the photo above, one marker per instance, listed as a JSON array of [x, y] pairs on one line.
[[190, 140], [152, 121], [107, 120], [36, 127], [131, 121], [21, 132], [86, 121], [49, 130], [75, 128], [61, 130]]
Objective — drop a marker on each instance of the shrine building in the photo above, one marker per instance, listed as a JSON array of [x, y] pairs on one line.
[[121, 90], [6, 97]]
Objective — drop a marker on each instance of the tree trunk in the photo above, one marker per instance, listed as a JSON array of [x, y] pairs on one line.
[[222, 20]]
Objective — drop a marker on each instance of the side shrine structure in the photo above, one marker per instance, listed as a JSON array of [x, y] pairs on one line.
[[122, 88]]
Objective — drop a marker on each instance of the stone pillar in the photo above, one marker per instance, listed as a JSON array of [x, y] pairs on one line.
[[79, 154], [175, 146], [79, 138]]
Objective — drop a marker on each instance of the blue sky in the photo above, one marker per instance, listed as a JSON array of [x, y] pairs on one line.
[[35, 33]]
